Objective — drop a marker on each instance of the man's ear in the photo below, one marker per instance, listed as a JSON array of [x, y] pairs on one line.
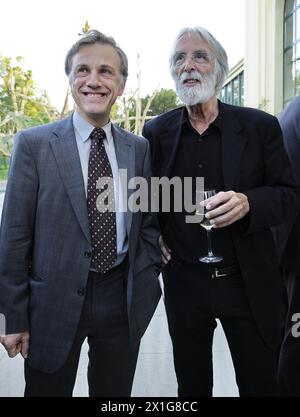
[[122, 87], [70, 79]]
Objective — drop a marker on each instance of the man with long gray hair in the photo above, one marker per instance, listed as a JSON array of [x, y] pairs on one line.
[[70, 271], [239, 152]]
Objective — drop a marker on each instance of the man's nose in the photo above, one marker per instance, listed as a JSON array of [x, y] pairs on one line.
[[93, 80], [189, 64]]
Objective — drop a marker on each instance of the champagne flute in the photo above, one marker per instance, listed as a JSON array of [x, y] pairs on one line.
[[210, 258]]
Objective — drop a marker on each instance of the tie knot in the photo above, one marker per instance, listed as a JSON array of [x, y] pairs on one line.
[[98, 134]]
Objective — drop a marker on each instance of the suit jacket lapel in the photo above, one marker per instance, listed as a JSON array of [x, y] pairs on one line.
[[67, 157], [170, 142], [125, 154], [233, 144]]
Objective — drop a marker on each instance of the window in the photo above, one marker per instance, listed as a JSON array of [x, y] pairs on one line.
[[233, 90], [291, 81]]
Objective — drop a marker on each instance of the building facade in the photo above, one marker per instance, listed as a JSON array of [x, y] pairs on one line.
[[270, 72], [233, 90]]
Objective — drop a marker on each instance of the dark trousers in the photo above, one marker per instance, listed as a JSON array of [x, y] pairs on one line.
[[289, 361], [112, 360], [193, 302]]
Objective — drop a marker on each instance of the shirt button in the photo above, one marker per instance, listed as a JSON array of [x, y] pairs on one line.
[[200, 166], [81, 292], [87, 255]]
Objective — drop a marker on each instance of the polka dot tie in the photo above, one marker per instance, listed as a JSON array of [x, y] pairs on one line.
[[102, 223]]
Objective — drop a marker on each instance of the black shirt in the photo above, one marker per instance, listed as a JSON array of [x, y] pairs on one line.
[[199, 156]]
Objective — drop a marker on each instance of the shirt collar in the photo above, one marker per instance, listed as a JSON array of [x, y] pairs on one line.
[[84, 128]]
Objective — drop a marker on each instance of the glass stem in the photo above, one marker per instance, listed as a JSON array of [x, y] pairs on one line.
[[210, 252]]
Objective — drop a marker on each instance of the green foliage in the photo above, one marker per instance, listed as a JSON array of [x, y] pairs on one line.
[[85, 28], [3, 172], [163, 101], [115, 111], [22, 104]]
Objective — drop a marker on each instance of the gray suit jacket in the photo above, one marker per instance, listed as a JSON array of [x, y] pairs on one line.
[[45, 241]]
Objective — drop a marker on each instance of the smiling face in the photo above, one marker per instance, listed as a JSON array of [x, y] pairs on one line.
[[194, 70], [96, 82]]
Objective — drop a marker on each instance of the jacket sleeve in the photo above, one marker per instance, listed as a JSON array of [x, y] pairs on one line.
[[150, 230], [16, 236], [279, 198], [287, 235], [290, 124]]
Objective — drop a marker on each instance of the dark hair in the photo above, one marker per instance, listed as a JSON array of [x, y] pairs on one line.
[[91, 37]]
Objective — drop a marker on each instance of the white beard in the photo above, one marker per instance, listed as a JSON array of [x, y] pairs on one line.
[[200, 93]]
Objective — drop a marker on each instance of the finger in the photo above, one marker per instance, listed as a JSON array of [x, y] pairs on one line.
[[25, 348], [166, 255], [14, 350], [227, 219], [167, 248], [163, 246], [164, 259], [220, 198], [165, 252], [223, 209]]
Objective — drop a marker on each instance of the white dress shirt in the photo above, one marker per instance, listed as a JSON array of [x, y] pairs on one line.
[[83, 129]]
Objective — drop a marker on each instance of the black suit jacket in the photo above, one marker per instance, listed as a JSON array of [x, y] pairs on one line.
[[288, 234], [255, 163]]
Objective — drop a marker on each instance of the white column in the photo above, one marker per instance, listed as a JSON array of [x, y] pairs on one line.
[[264, 54], [252, 53]]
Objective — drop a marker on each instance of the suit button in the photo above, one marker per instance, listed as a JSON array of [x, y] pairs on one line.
[[87, 255], [80, 292]]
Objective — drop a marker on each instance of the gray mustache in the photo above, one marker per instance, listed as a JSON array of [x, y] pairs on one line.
[[192, 75]]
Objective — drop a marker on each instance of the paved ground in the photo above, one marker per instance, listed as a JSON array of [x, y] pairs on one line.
[[2, 186], [155, 375]]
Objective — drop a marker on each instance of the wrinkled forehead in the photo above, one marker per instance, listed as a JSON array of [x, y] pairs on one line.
[[191, 42]]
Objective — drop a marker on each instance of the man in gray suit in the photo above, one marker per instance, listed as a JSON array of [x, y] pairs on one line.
[[68, 270]]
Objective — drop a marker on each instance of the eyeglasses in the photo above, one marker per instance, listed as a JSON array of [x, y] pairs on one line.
[[200, 57]]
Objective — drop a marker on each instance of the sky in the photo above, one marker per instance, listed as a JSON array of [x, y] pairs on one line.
[[42, 31]]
